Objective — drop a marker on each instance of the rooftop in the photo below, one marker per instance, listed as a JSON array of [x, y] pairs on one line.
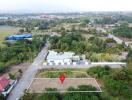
[[3, 83], [19, 36], [59, 56]]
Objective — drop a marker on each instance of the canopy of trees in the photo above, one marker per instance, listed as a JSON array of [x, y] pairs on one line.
[[129, 59], [123, 30], [20, 51], [118, 83], [106, 20], [75, 42], [68, 96]]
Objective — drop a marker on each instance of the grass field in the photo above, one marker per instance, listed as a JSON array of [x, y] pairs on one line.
[[6, 31], [76, 73]]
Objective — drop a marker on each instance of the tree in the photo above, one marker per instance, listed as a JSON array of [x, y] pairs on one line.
[[21, 30], [2, 97], [12, 76], [20, 51], [20, 71], [99, 71], [123, 30]]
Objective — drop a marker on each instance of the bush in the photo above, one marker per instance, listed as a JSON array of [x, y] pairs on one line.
[[99, 71], [2, 97], [119, 83], [12, 76]]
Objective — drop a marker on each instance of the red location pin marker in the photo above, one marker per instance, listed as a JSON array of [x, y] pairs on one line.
[[62, 78]]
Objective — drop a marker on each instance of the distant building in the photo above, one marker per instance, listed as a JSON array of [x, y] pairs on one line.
[[110, 44], [19, 36]]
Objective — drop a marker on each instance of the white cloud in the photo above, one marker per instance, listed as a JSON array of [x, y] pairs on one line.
[[65, 5]]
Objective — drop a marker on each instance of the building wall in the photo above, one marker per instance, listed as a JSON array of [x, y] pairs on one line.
[[59, 62]]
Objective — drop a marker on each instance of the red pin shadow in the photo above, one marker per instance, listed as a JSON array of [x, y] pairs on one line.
[[62, 78]]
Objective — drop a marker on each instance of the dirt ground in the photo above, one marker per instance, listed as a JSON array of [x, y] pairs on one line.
[[14, 69], [39, 84]]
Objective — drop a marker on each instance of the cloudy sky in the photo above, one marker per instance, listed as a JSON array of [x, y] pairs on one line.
[[64, 5]]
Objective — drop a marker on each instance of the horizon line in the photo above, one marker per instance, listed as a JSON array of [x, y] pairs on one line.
[[66, 12]]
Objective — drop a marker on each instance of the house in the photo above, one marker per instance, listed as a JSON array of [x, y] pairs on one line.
[[3, 83], [6, 85], [19, 36], [110, 44], [62, 58]]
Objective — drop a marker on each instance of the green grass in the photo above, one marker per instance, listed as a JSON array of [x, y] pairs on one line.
[[6, 31], [76, 73]]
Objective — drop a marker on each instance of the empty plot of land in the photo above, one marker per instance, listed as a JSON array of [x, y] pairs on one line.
[[39, 85]]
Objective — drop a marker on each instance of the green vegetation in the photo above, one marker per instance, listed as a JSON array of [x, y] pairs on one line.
[[68, 42], [94, 48], [129, 59], [2, 97], [123, 30], [68, 96], [6, 31], [12, 76], [56, 73], [20, 51], [117, 83], [99, 71], [105, 20]]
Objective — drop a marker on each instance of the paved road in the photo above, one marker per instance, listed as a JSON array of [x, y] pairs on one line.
[[28, 76], [81, 66], [91, 64], [119, 41]]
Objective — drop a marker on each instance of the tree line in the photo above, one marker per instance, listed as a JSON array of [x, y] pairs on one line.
[[20, 51], [67, 96], [117, 83], [74, 41], [123, 30]]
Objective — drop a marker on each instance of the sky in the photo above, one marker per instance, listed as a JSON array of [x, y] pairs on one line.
[[39, 6]]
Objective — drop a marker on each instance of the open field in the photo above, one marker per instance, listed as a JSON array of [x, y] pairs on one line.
[[7, 30], [38, 85]]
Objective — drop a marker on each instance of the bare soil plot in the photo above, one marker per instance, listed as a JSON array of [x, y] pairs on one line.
[[14, 69], [38, 85]]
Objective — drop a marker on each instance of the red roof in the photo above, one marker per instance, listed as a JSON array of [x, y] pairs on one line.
[[3, 83]]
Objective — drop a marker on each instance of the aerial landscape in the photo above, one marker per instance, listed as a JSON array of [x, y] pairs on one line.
[[54, 53]]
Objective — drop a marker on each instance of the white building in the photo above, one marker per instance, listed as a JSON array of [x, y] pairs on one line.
[[62, 58]]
